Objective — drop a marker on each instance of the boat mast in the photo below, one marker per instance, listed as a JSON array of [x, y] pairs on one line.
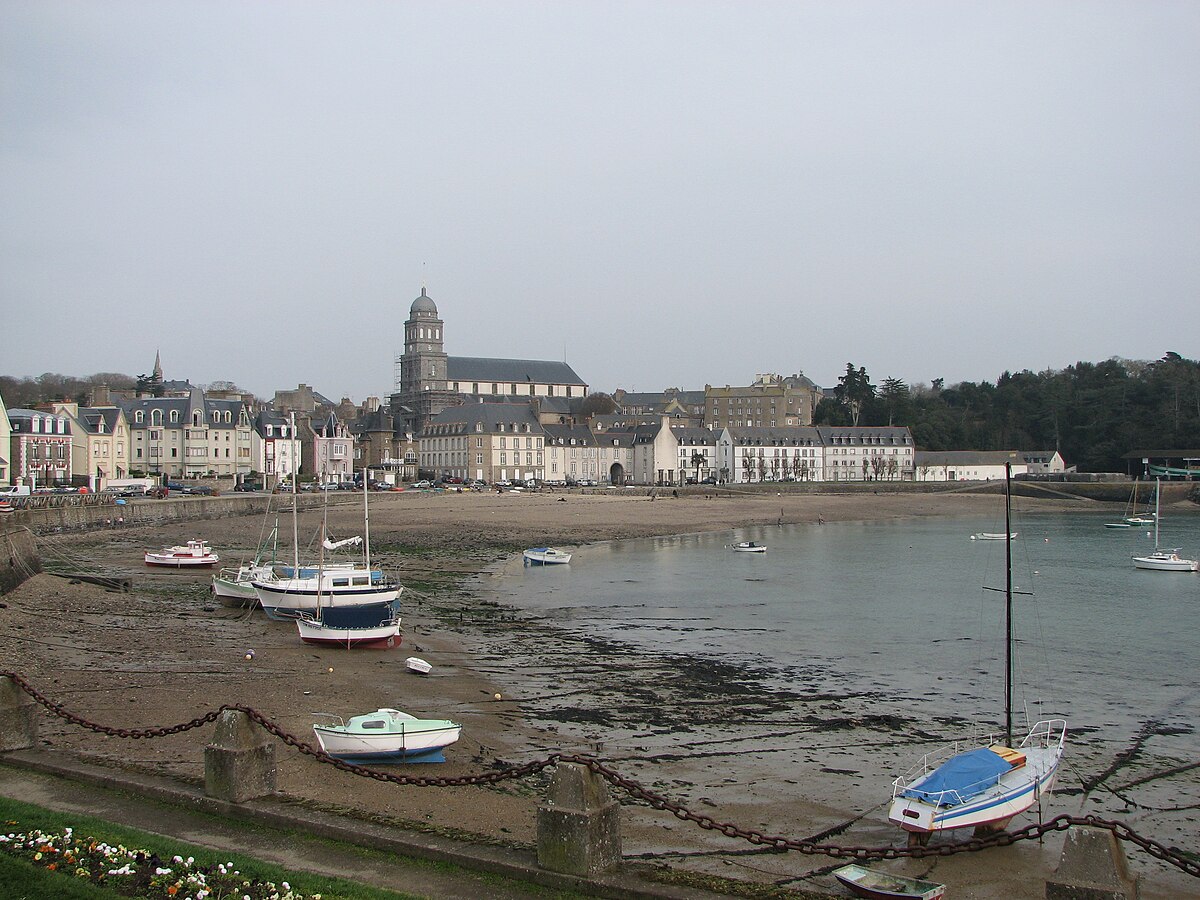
[[1157, 491], [295, 473], [366, 523], [1008, 595]]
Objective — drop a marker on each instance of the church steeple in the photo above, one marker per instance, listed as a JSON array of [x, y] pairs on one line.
[[157, 373]]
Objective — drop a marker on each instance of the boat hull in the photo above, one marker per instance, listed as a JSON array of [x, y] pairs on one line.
[[405, 739], [289, 598], [380, 636], [546, 556], [1166, 563], [863, 882]]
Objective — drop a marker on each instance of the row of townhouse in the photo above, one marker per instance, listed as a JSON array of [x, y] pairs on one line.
[[507, 441]]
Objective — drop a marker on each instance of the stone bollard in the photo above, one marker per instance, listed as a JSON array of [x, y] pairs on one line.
[[18, 726], [1092, 867], [239, 764], [578, 830]]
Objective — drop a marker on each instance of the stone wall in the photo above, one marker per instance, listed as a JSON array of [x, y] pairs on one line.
[[18, 556]]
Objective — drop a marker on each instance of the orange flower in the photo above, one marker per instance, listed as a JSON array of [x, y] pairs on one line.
[[173, 890], [52, 866]]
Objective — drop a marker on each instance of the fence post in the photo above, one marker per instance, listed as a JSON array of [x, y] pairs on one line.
[[1092, 867], [578, 829], [18, 726], [239, 764]]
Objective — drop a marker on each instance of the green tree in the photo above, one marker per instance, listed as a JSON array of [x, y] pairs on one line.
[[854, 391]]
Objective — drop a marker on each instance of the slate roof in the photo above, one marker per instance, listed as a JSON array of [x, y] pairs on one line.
[[784, 436], [489, 415], [966, 457], [518, 371]]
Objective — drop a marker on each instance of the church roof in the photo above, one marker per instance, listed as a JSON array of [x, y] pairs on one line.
[[513, 371]]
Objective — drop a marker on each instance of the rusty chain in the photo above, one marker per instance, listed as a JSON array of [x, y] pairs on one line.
[[638, 792]]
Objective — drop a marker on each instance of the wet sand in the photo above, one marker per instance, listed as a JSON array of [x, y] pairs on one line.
[[166, 653]]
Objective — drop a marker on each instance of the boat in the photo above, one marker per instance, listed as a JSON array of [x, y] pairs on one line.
[[418, 665], [545, 556], [1132, 516], [750, 547], [1164, 559], [234, 587], [193, 555], [386, 735], [981, 784], [289, 592], [369, 625], [993, 536], [864, 882]]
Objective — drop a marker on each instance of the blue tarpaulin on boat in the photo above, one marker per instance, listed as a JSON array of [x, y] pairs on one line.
[[960, 778]]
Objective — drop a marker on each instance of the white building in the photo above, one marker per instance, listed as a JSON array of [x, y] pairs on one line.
[[967, 465], [753, 454], [868, 453]]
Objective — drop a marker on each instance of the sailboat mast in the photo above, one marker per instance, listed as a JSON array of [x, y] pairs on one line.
[[295, 526], [1008, 595], [1157, 491], [366, 523]]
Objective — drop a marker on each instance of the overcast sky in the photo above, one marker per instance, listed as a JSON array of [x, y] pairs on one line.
[[664, 194]]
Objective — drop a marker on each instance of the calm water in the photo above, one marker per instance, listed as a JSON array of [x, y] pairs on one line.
[[896, 606]]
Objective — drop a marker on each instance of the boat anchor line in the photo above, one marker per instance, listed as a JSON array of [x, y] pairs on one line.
[[636, 791]]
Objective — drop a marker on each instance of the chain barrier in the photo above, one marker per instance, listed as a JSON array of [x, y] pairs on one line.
[[636, 791]]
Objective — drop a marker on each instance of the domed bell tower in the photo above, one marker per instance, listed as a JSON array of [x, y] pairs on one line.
[[423, 365]]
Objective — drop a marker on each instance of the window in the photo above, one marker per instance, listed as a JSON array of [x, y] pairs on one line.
[[156, 417]]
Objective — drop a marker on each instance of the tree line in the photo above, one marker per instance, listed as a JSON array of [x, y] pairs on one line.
[[1091, 413]]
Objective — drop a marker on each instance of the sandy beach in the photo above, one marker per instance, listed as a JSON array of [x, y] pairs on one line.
[[166, 653]]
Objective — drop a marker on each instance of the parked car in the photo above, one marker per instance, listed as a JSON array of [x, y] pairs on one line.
[[711, 479], [158, 493], [421, 484], [202, 490], [248, 486]]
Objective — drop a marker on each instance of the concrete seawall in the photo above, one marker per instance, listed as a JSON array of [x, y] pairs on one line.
[[18, 557]]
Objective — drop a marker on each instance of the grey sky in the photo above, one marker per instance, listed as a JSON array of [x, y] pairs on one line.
[[668, 194]]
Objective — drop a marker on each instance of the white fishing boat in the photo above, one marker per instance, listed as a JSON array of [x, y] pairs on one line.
[[546, 556], [418, 665], [749, 547], [193, 555], [1164, 559], [981, 785], [386, 735], [993, 536]]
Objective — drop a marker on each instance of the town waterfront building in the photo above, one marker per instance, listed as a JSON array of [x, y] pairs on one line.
[[277, 449], [771, 401], [189, 436], [333, 451], [749, 455], [967, 465], [40, 447], [100, 442], [484, 441]]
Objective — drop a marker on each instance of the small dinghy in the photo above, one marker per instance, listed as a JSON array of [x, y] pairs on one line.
[[386, 735], [196, 555], [545, 556], [750, 547], [418, 665], [864, 882], [993, 536]]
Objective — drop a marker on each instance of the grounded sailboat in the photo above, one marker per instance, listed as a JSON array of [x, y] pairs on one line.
[[1163, 559], [981, 785]]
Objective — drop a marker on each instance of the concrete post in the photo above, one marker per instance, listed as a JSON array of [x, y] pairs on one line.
[[18, 725], [1092, 867], [578, 830], [239, 764]]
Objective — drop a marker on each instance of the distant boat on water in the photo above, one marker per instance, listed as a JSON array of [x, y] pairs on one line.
[[992, 535]]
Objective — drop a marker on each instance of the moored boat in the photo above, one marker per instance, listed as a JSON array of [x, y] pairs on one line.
[[982, 785], [864, 882], [749, 547], [992, 536], [373, 625], [1164, 559], [418, 665], [193, 555], [386, 735], [545, 556]]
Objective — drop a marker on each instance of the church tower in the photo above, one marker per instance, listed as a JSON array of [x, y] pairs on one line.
[[423, 365], [420, 374]]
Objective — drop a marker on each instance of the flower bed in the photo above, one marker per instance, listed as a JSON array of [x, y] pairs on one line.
[[139, 873]]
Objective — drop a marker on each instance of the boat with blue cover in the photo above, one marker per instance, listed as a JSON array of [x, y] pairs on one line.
[[981, 785]]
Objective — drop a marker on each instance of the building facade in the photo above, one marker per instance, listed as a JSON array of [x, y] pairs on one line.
[[770, 402], [484, 441], [40, 448]]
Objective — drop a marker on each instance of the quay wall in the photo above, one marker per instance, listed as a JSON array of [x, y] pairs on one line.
[[18, 556]]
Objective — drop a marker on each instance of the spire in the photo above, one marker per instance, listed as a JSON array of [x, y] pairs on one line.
[[157, 373]]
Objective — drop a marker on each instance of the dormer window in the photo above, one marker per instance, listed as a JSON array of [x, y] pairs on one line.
[[156, 417], [216, 417], [139, 416], [174, 415]]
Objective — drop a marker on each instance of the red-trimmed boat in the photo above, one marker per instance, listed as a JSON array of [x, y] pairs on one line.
[[194, 555]]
